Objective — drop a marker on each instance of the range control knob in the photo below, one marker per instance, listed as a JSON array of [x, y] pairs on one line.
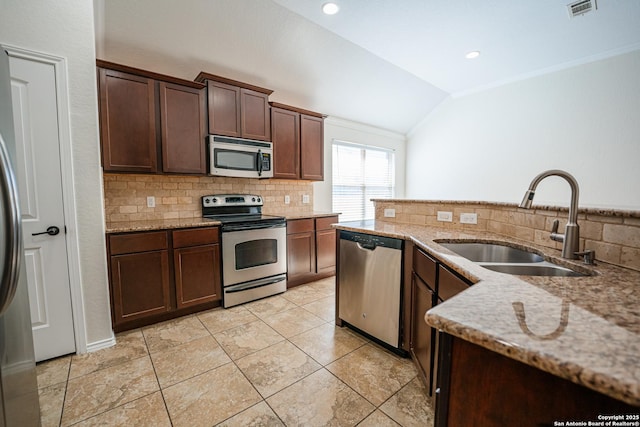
[[214, 200], [253, 199], [206, 201], [259, 200]]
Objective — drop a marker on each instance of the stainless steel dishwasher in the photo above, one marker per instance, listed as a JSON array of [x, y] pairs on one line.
[[369, 276]]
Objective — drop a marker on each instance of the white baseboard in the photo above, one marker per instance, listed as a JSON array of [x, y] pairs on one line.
[[102, 344]]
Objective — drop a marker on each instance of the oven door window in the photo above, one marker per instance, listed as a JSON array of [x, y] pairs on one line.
[[255, 253], [234, 159]]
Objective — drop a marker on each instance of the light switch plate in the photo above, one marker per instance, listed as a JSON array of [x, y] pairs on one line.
[[390, 213], [151, 202], [287, 199], [445, 216], [305, 198]]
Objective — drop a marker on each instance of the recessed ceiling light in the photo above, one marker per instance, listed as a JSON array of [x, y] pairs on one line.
[[472, 55], [330, 8]]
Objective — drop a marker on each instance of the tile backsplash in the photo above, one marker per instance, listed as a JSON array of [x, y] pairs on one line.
[[178, 196], [613, 234]]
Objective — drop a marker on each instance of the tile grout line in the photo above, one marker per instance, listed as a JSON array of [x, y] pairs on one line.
[[320, 296], [155, 373]]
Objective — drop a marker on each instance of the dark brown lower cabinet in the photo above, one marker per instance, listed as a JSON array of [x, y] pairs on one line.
[[431, 284], [311, 249], [140, 285], [485, 389], [301, 252], [196, 281], [326, 245], [422, 335], [158, 275]]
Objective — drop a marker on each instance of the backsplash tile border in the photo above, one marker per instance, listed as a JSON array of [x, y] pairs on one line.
[[613, 234]]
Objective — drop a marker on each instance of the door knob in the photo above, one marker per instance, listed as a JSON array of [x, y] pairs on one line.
[[51, 231]]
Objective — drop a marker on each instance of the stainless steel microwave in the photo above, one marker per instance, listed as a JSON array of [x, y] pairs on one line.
[[238, 157]]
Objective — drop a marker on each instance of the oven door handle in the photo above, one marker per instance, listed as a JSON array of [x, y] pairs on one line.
[[241, 227], [254, 285]]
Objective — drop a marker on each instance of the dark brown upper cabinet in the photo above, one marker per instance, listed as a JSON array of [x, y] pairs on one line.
[[298, 143], [183, 122], [127, 122], [285, 134], [237, 109], [150, 122]]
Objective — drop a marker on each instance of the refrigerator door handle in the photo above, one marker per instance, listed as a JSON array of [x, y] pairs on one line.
[[12, 230]]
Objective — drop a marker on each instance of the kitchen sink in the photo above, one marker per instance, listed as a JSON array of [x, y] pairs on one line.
[[508, 260], [546, 269], [490, 252]]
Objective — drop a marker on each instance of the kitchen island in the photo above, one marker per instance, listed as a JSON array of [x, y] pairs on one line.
[[582, 329]]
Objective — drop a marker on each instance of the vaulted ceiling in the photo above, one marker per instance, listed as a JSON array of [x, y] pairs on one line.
[[385, 63]]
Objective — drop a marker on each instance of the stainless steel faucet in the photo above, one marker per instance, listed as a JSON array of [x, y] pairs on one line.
[[571, 237]]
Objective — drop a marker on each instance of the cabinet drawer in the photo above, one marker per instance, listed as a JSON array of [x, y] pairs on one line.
[[449, 284], [138, 242], [325, 223], [300, 226], [195, 237], [425, 267]]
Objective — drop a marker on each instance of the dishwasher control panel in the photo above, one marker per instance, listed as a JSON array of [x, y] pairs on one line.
[[370, 241]]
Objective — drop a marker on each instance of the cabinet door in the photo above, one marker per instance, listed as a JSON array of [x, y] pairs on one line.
[[422, 335], [127, 122], [326, 251], [224, 109], [311, 147], [140, 285], [182, 118], [197, 272], [285, 134], [301, 257], [255, 115]]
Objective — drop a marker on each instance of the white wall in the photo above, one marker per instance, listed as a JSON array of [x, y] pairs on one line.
[[344, 130], [489, 145], [65, 29]]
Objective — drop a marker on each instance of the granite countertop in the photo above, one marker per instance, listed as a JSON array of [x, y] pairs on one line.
[[583, 329], [314, 214], [164, 224], [159, 224]]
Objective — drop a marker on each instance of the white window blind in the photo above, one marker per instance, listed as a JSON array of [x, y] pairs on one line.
[[361, 173]]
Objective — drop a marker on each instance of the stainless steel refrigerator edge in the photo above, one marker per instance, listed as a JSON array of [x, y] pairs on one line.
[[19, 388]]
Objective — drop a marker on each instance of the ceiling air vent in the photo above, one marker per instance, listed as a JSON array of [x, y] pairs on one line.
[[581, 7]]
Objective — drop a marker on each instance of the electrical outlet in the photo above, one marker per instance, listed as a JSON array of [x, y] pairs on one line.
[[445, 216], [468, 218], [390, 213], [305, 198], [151, 202], [287, 199]]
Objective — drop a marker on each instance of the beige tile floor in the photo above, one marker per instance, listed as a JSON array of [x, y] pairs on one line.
[[273, 362]]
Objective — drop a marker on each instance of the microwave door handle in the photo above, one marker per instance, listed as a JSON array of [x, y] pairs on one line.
[[259, 162]]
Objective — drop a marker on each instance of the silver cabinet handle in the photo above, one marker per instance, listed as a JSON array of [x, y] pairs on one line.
[[13, 231]]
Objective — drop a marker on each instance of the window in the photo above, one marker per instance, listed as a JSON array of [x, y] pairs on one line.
[[360, 173]]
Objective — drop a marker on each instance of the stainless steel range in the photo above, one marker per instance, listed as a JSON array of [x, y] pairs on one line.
[[254, 247]]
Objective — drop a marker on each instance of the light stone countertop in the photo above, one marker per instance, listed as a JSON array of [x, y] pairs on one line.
[[583, 329], [164, 224]]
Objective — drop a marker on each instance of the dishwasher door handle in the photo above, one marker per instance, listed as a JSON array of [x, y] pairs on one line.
[[367, 246]]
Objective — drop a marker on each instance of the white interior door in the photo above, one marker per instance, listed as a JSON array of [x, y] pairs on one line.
[[41, 203]]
